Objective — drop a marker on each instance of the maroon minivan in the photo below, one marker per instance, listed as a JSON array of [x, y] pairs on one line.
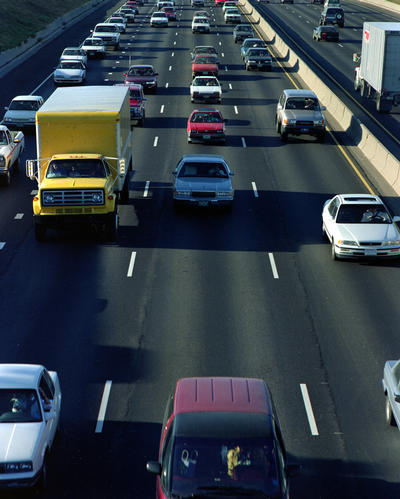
[[221, 436]]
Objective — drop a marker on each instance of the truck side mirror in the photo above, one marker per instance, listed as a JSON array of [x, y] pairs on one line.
[[30, 169]]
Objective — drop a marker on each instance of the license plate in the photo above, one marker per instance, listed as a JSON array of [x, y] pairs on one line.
[[370, 252], [206, 137], [304, 130], [203, 203]]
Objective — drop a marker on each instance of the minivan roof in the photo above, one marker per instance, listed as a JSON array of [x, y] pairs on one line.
[[222, 394]]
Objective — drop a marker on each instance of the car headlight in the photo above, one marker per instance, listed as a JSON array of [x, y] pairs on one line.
[[286, 121], [224, 194], [345, 242], [395, 242], [21, 467], [319, 122]]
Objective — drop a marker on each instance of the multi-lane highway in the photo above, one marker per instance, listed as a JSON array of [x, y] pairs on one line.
[[334, 61], [248, 293]]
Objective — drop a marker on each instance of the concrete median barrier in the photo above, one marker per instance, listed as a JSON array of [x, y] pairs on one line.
[[377, 154]]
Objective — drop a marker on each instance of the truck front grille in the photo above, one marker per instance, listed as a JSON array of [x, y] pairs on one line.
[[72, 197]]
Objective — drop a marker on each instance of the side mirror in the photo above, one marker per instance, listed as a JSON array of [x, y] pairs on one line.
[[6, 108], [49, 415], [153, 467], [396, 219], [174, 172], [279, 106], [231, 174], [323, 108]]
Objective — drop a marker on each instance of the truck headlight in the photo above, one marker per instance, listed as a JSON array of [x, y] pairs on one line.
[[97, 197], [48, 198], [21, 467]]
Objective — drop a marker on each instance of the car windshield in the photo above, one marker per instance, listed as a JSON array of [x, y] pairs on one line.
[[116, 20], [331, 29], [209, 82], [306, 103], [70, 65], [363, 213], [253, 43], [159, 14], [19, 406], [333, 12], [90, 42], [204, 60], [232, 11], [106, 29], [205, 50], [201, 464], [135, 93], [257, 53], [141, 71], [206, 117], [207, 169], [248, 29], [24, 105], [72, 52], [65, 168]]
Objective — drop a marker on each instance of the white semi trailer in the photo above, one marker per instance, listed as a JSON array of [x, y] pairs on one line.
[[378, 74]]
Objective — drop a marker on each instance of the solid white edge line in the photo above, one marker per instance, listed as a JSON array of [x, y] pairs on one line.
[[309, 411], [103, 407], [273, 266], [255, 189], [146, 188], [131, 264]]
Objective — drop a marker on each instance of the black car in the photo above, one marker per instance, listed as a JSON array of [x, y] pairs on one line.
[[242, 31], [332, 15], [328, 33]]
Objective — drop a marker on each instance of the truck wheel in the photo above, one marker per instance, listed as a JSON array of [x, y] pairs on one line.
[[124, 194], [388, 413], [383, 105], [363, 90], [356, 82], [111, 228], [40, 232]]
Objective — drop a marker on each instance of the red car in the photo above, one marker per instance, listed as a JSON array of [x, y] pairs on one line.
[[143, 74], [219, 2], [204, 65], [136, 102], [206, 125], [171, 13], [221, 438]]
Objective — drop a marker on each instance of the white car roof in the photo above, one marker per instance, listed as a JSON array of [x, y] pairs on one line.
[[19, 375], [72, 48], [359, 198], [28, 97]]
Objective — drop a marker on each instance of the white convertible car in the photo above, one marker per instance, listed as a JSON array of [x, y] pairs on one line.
[[360, 226], [30, 404], [205, 88]]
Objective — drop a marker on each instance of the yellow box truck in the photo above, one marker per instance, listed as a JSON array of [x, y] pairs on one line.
[[84, 155]]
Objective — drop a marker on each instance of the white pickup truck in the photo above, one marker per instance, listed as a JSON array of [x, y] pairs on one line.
[[11, 146]]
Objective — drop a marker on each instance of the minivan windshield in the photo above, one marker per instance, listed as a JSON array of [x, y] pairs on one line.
[[201, 464]]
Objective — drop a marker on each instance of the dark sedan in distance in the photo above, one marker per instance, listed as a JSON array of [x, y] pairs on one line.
[[328, 33]]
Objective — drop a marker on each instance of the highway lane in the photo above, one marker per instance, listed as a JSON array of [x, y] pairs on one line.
[[298, 21], [203, 298]]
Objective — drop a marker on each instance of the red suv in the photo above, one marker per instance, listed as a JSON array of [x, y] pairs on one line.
[[221, 437], [206, 125]]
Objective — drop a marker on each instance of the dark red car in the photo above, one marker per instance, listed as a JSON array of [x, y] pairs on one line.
[[143, 74], [221, 437], [171, 13], [204, 65], [206, 125]]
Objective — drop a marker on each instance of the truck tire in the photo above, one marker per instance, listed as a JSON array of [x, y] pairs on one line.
[[363, 89], [383, 105], [40, 232], [388, 413], [356, 82], [111, 228]]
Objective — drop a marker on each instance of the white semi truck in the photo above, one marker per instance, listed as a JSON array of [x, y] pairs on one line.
[[378, 74]]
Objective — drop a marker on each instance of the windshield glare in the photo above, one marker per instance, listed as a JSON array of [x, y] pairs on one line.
[[199, 463], [363, 213], [19, 406]]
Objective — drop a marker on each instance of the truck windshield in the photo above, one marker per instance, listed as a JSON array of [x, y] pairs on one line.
[[76, 168]]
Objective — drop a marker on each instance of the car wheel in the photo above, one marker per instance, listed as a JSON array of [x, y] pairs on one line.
[[277, 125], [389, 413], [321, 137], [42, 482], [333, 252], [40, 232], [284, 136]]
